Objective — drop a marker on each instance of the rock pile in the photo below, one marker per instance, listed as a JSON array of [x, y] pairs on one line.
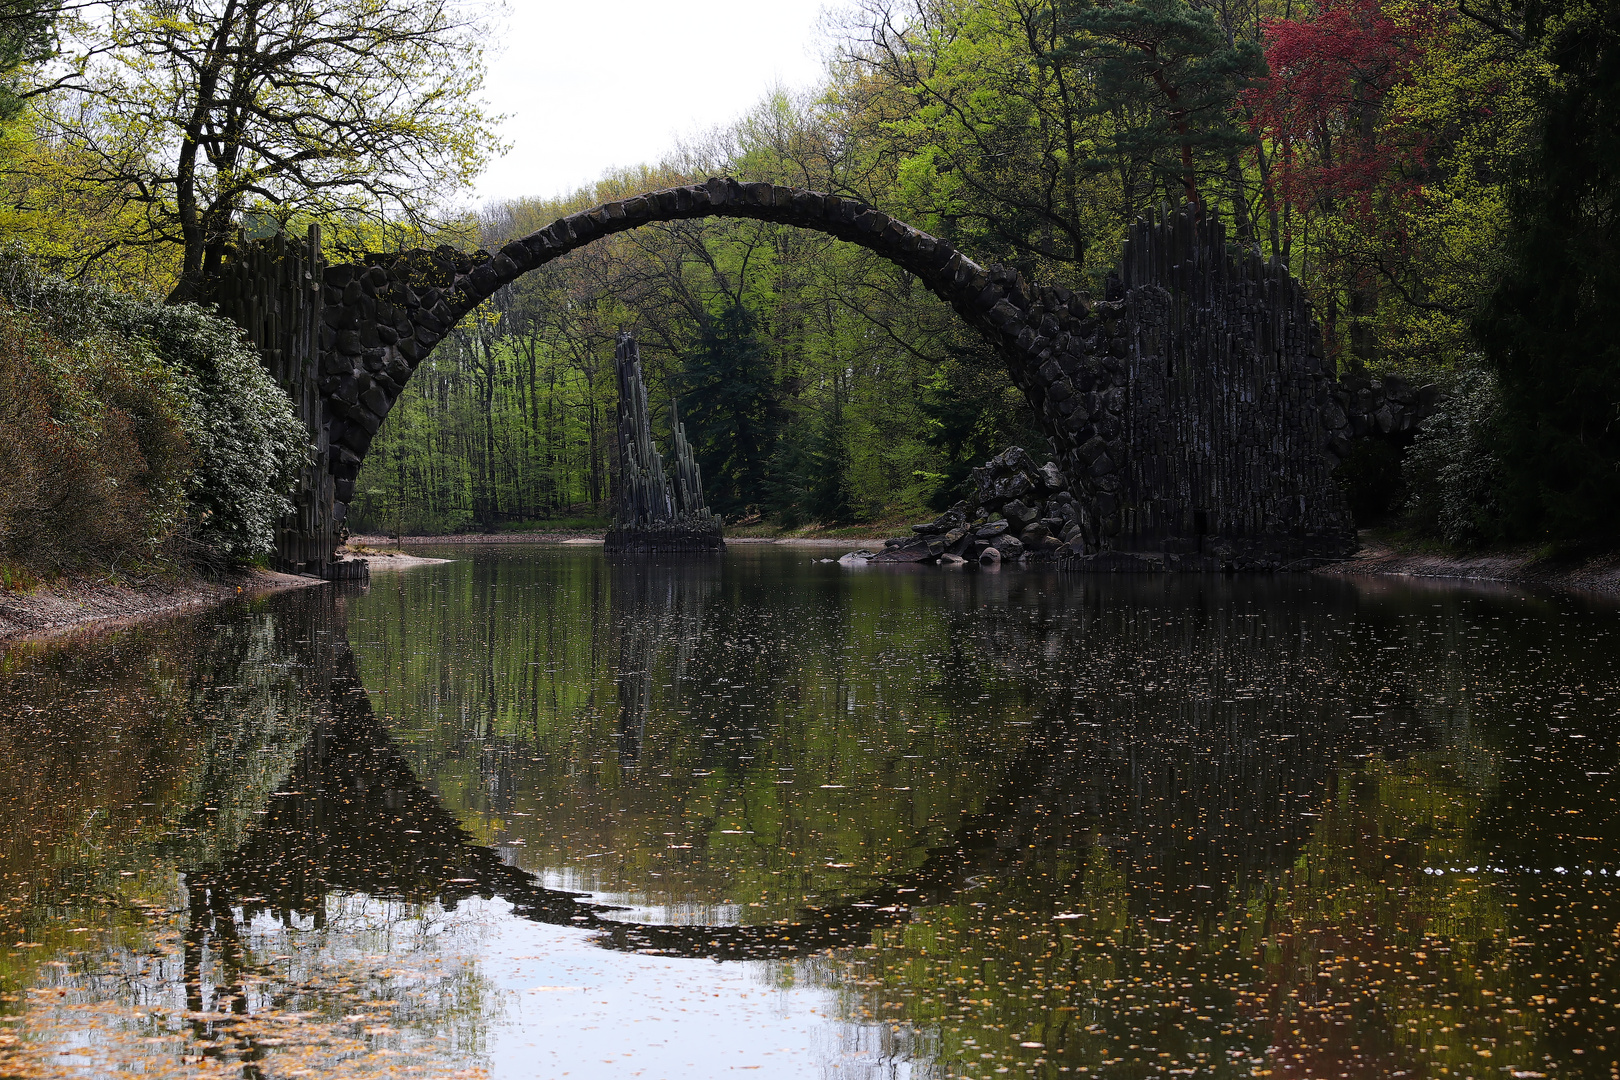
[[1019, 510]]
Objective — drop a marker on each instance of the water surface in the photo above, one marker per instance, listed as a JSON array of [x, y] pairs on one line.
[[538, 813]]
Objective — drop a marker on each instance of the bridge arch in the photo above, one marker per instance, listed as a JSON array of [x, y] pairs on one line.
[[1192, 411], [382, 317]]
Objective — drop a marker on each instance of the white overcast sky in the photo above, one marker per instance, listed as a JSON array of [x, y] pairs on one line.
[[588, 85]]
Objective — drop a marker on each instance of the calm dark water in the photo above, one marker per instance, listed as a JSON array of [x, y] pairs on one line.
[[538, 814]]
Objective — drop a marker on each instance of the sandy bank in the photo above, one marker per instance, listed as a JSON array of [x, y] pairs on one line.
[[385, 558]]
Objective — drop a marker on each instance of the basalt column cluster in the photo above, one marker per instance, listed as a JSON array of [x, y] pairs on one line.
[[271, 288], [1205, 423], [650, 513]]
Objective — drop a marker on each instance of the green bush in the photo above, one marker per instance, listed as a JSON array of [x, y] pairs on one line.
[[245, 443], [1453, 474]]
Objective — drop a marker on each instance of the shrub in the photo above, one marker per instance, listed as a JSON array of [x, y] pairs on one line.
[[246, 442], [1453, 474], [94, 459]]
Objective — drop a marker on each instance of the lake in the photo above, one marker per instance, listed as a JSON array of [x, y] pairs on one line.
[[539, 813]]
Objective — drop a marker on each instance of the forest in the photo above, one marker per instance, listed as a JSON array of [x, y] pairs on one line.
[[1441, 174], [1412, 163]]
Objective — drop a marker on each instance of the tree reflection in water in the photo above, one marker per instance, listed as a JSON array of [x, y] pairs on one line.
[[1020, 823]]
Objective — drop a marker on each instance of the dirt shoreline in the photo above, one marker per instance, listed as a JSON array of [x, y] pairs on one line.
[[1597, 573], [57, 608]]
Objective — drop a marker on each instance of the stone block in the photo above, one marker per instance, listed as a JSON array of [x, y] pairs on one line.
[[1019, 515], [1092, 449], [376, 401]]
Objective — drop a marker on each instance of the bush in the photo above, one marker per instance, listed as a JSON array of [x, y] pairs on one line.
[[245, 442], [94, 459], [1453, 474]]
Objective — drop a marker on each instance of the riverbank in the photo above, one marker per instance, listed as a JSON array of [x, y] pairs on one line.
[[370, 547], [1594, 571], [55, 607], [77, 603]]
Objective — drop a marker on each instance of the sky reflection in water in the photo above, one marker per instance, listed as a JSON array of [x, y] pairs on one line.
[[538, 814]]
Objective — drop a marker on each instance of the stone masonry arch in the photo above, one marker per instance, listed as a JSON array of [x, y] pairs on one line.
[[1192, 409]]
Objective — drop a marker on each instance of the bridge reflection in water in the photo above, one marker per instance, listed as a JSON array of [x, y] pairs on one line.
[[1131, 825]]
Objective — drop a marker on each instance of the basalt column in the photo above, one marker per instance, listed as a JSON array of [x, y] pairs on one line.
[[1232, 429], [650, 514], [272, 289]]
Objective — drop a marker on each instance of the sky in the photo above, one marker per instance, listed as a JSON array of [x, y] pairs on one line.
[[589, 85]]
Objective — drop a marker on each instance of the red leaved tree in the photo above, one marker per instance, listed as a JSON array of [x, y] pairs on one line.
[[1346, 162]]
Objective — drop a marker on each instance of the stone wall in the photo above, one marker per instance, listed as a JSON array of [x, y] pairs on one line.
[[1205, 426]]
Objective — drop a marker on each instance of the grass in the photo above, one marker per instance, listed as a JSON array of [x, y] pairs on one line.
[[17, 579]]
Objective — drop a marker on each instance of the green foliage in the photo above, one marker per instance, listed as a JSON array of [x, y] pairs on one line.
[[1550, 326], [809, 478], [973, 413], [27, 38], [730, 398], [1172, 63], [1453, 472], [245, 443]]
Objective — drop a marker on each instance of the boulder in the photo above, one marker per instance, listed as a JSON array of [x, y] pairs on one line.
[[1019, 515], [991, 529], [1010, 546], [902, 554]]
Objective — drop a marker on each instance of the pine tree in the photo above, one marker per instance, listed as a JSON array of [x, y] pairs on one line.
[[732, 402], [1174, 59]]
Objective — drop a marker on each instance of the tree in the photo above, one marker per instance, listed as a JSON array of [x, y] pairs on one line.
[[972, 127], [731, 404], [196, 110], [1549, 326], [27, 38], [1178, 59]]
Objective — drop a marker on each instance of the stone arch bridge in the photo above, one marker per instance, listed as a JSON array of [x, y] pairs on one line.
[[1192, 408]]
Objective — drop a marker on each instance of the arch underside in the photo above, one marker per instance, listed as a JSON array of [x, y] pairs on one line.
[[1202, 379]]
